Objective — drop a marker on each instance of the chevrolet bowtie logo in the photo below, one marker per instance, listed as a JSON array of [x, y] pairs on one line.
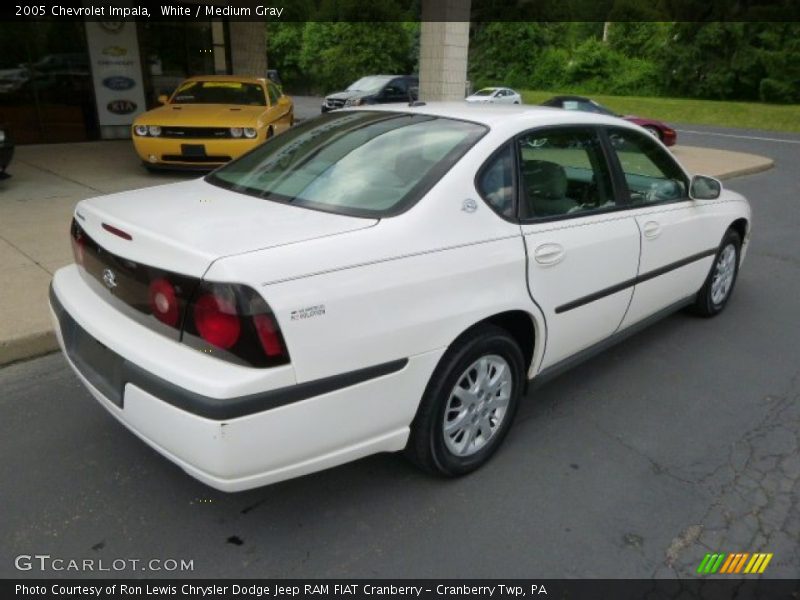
[[109, 278]]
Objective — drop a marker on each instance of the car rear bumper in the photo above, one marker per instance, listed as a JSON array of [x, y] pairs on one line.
[[202, 153], [228, 440]]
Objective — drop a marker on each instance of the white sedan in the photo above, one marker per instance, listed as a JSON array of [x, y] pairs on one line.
[[383, 279], [494, 95]]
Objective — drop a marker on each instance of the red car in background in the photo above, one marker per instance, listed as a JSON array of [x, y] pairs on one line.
[[662, 131]]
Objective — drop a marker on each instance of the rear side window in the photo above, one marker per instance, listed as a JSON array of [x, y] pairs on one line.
[[359, 163], [274, 93], [563, 172], [496, 181], [650, 172]]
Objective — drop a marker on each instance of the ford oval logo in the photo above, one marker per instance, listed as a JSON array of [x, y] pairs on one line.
[[109, 278], [121, 107], [118, 83]]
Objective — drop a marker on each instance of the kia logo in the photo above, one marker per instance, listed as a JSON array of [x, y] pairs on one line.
[[119, 83], [109, 278], [121, 107]]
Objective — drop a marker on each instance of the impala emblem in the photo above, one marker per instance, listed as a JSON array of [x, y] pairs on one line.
[[109, 278]]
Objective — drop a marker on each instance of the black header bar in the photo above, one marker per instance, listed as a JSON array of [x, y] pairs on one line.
[[406, 10]]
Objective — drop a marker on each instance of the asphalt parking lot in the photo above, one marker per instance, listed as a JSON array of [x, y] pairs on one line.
[[682, 440]]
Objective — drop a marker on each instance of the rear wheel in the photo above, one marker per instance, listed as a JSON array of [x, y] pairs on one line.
[[469, 404], [717, 289], [654, 131]]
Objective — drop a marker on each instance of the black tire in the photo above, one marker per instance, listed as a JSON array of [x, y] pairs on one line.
[[270, 132], [705, 304], [426, 446], [655, 132]]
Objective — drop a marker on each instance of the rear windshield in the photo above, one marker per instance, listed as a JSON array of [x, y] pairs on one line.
[[219, 92], [372, 83], [361, 163]]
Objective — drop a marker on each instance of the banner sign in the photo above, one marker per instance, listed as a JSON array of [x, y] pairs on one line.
[[116, 74]]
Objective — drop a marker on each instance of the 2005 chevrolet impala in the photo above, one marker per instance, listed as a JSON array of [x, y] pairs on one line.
[[383, 279]]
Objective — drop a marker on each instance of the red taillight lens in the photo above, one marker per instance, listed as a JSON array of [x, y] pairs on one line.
[[216, 320], [164, 302], [233, 322], [269, 335], [78, 243]]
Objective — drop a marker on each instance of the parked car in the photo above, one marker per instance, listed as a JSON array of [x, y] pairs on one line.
[[657, 129], [6, 151], [210, 120], [374, 89], [495, 95], [383, 279]]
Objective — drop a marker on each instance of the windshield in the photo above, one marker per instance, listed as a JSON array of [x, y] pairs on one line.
[[484, 92], [362, 163], [369, 84], [219, 92]]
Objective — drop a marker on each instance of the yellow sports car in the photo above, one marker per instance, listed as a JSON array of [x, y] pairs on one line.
[[211, 120]]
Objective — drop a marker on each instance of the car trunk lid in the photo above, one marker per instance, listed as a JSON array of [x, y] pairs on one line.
[[184, 227]]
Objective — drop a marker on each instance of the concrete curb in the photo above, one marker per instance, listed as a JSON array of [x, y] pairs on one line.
[[765, 166], [27, 346]]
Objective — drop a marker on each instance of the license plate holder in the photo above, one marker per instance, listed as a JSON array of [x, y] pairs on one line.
[[193, 150]]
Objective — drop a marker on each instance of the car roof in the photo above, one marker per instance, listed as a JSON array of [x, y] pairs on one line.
[[496, 114], [231, 78]]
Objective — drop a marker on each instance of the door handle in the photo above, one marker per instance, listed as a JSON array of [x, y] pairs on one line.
[[651, 229], [549, 254]]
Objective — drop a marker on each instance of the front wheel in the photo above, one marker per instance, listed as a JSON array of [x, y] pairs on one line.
[[469, 404], [717, 289]]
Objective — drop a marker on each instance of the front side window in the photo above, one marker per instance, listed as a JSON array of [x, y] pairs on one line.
[[496, 181], [563, 172], [364, 163], [650, 172], [219, 92]]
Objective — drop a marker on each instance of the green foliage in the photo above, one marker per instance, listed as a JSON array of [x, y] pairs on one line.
[[715, 60], [341, 41], [336, 54]]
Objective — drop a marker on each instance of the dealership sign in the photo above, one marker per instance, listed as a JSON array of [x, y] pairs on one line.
[[116, 74]]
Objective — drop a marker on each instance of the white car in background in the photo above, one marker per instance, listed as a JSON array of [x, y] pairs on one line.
[[383, 279], [495, 95]]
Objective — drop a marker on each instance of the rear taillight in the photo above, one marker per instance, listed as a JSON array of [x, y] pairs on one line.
[[235, 323], [216, 320], [229, 321], [164, 301], [78, 242], [268, 334]]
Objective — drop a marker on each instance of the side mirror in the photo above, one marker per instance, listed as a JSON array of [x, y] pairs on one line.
[[163, 99], [704, 188]]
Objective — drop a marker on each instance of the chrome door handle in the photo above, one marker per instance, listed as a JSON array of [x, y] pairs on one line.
[[651, 229], [549, 254]]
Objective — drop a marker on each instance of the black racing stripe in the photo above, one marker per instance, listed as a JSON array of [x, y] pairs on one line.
[[109, 373], [631, 282]]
